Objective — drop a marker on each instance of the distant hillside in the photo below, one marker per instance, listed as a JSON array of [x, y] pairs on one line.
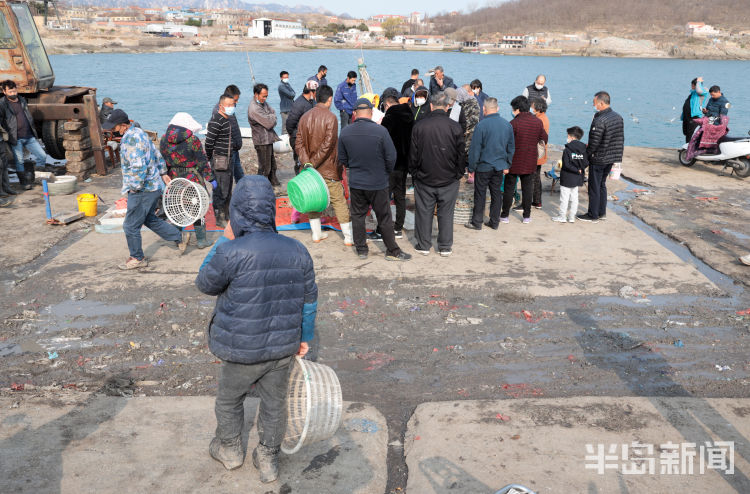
[[209, 4], [636, 16]]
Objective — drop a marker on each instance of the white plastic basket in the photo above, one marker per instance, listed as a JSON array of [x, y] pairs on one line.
[[615, 172], [184, 202], [314, 405]]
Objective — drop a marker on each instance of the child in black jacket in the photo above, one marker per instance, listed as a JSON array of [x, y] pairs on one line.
[[574, 164]]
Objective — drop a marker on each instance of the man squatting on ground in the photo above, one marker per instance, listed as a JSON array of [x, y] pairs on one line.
[[265, 314]]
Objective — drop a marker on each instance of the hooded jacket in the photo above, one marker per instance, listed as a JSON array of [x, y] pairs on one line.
[[420, 112], [262, 280], [574, 164], [317, 141], [10, 123], [183, 153], [438, 152], [398, 120]]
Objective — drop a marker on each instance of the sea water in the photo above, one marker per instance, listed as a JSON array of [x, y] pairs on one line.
[[648, 93]]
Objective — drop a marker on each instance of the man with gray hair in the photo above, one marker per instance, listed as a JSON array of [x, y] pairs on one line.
[[490, 156], [538, 90], [436, 161], [439, 82]]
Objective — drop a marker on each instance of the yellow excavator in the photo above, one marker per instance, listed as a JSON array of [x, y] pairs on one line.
[[24, 60]]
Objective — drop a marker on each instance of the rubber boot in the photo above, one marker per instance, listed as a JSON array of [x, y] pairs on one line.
[[346, 229], [22, 180], [228, 453], [200, 236], [30, 176], [219, 217], [266, 460], [317, 232]]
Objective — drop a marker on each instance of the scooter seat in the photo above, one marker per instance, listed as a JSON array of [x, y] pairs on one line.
[[733, 139]]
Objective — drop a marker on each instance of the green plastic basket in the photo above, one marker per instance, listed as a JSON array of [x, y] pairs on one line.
[[308, 192]]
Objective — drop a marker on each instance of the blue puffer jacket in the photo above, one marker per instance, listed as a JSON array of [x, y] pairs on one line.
[[346, 97], [262, 280]]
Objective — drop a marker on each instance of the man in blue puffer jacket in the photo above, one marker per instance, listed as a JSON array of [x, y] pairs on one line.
[[264, 315], [346, 98]]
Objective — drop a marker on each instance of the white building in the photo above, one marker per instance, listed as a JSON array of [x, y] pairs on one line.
[[277, 29], [172, 29], [700, 29]]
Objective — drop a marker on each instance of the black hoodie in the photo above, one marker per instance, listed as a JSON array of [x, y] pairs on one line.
[[399, 121], [574, 164]]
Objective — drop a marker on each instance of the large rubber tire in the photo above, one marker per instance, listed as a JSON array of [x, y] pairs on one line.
[[744, 170], [52, 137], [683, 158]]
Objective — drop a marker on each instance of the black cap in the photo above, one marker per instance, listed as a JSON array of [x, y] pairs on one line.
[[364, 104], [117, 117]]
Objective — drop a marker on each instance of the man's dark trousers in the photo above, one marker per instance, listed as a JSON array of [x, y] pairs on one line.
[[527, 187], [598, 190], [267, 162], [426, 198], [141, 207], [361, 200], [494, 180], [223, 191], [346, 119], [398, 190], [237, 166], [271, 381]]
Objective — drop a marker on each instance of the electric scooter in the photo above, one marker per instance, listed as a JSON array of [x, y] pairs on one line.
[[734, 153]]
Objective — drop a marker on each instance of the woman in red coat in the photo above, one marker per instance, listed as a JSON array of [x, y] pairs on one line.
[[527, 132]]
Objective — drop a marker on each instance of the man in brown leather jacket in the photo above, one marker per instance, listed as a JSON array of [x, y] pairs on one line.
[[317, 143]]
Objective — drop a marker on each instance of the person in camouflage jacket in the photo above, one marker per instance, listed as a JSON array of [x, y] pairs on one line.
[[469, 118]]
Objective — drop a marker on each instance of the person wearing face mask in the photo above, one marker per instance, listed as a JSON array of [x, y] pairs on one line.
[[346, 97], [237, 169], [320, 77], [286, 95], [538, 90], [479, 94], [262, 120], [419, 106], [16, 119], [143, 172], [218, 150]]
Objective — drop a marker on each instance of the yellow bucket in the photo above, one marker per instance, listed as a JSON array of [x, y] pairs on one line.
[[87, 204]]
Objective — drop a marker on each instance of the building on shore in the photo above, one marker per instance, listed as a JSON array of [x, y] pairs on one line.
[[171, 29], [277, 29], [700, 29], [512, 41]]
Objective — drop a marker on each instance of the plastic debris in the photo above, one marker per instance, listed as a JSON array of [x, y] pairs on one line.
[[722, 368], [679, 344], [135, 345], [17, 387], [52, 355], [502, 417], [361, 425], [745, 312], [78, 294], [629, 293]]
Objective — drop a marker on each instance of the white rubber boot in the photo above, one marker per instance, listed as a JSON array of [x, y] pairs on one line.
[[317, 232], [346, 229]]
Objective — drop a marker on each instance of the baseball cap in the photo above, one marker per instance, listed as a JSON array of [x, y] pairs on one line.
[[364, 104], [312, 85], [109, 100], [117, 117]]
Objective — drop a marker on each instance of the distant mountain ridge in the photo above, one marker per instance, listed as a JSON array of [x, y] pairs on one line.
[[209, 4]]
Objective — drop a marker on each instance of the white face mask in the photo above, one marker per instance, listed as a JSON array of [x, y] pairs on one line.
[[229, 110], [285, 80], [419, 101], [476, 90], [539, 86]]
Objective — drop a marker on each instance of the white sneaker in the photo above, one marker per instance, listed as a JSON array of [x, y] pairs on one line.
[[559, 219], [423, 252], [745, 260], [572, 219], [445, 253]]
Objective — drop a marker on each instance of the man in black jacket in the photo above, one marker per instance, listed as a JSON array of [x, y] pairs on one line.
[[265, 311], [606, 142], [16, 119], [301, 105], [237, 169], [436, 161], [398, 120], [409, 83], [367, 152]]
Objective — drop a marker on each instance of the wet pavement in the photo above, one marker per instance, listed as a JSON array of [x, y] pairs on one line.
[[540, 311]]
